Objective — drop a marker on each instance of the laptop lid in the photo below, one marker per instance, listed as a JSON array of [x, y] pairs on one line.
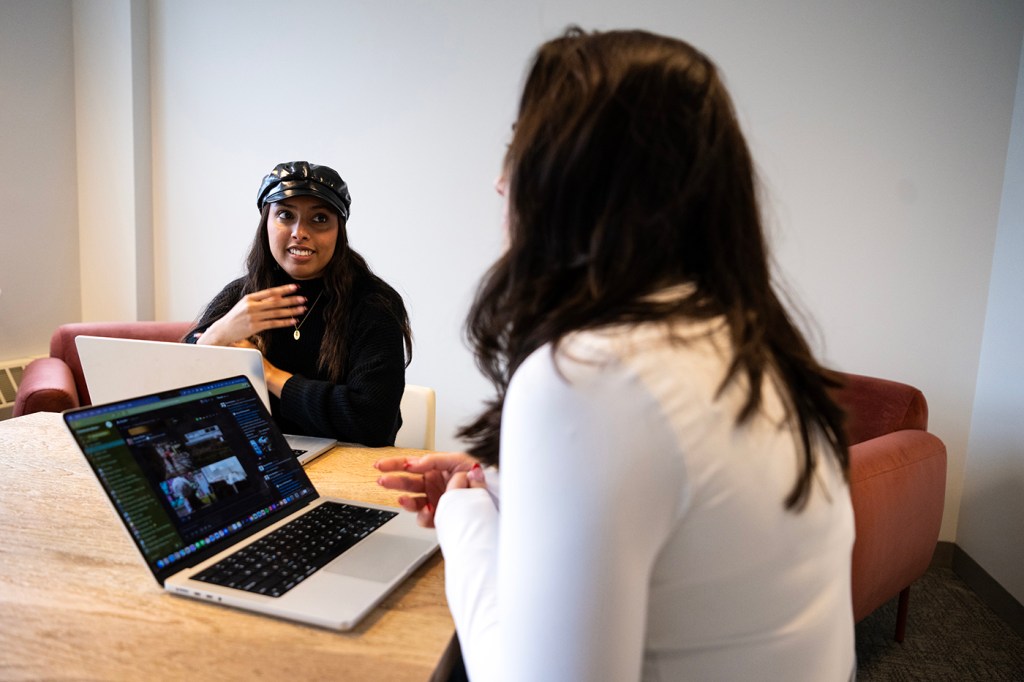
[[191, 470], [118, 368]]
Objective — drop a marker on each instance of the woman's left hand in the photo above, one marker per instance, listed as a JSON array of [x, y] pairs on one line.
[[429, 477]]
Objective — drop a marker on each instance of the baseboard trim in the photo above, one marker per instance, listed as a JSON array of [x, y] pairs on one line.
[[988, 589], [943, 557]]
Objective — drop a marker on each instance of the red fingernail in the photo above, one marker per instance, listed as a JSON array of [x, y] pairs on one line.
[[476, 466], [406, 465], [429, 508]]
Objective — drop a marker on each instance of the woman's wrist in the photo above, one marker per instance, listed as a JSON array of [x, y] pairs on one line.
[[275, 378], [211, 337]]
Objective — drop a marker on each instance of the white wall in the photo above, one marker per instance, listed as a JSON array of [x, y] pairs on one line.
[[39, 275], [881, 131], [991, 526], [882, 135], [114, 185]]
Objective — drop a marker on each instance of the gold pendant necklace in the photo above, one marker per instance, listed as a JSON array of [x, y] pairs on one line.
[[297, 334]]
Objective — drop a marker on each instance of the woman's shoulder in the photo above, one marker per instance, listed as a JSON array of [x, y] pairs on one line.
[[370, 283], [236, 284], [225, 298], [620, 342], [578, 359], [373, 293], [654, 353]]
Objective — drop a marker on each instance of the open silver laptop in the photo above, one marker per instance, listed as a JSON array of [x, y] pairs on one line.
[[117, 368], [205, 485]]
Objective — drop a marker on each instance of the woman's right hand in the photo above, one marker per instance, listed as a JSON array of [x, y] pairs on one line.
[[256, 312], [429, 476]]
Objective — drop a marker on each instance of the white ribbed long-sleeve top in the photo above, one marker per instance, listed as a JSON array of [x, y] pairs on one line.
[[642, 533]]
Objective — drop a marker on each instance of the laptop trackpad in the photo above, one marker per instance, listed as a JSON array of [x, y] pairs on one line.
[[379, 557]]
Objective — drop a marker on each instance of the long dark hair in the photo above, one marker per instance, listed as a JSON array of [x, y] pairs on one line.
[[345, 271], [628, 173]]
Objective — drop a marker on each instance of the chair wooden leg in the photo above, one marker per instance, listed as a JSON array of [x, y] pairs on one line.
[[901, 614]]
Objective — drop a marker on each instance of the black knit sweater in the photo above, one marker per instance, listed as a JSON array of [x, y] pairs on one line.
[[363, 407]]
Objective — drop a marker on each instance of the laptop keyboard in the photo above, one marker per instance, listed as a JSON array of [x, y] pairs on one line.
[[281, 560]]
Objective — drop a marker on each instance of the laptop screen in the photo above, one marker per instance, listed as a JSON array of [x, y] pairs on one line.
[[191, 470]]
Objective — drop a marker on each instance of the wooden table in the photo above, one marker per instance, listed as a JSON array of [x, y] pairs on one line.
[[77, 602]]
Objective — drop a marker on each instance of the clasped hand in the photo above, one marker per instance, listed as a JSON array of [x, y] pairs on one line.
[[429, 477]]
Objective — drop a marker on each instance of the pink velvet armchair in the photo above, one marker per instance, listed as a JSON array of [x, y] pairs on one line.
[[56, 383], [898, 487]]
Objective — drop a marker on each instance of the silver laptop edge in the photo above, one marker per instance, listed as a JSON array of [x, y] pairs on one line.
[[118, 368]]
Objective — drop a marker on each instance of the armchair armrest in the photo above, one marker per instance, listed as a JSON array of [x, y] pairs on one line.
[[897, 485], [46, 386]]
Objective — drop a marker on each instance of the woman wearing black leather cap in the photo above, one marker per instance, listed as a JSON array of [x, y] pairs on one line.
[[335, 337]]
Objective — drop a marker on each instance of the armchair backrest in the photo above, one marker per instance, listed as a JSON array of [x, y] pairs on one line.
[[418, 414], [62, 343], [875, 407]]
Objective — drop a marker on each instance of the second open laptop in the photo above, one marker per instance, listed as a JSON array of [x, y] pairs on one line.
[[118, 368], [221, 511]]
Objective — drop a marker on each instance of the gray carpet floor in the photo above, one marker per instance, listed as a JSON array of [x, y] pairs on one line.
[[951, 635]]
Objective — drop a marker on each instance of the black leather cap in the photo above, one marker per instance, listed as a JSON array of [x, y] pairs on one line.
[[298, 178]]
